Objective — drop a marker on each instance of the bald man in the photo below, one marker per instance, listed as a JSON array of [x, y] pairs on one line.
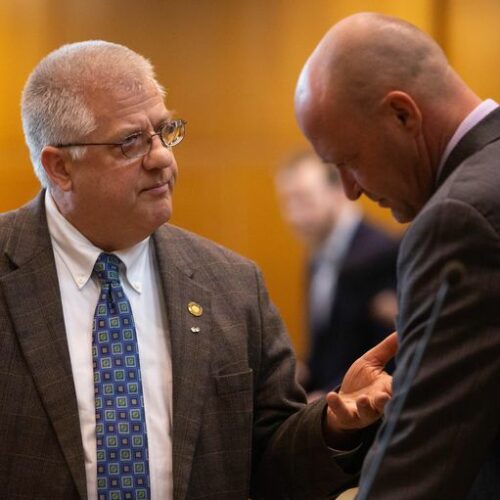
[[378, 98]]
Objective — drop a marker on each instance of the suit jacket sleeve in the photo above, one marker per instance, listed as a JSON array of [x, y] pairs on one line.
[[449, 423], [291, 459]]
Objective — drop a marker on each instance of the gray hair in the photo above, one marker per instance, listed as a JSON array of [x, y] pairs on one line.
[[56, 104]]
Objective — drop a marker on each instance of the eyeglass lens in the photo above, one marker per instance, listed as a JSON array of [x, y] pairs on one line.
[[171, 133]]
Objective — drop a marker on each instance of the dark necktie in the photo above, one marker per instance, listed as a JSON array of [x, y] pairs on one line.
[[121, 438]]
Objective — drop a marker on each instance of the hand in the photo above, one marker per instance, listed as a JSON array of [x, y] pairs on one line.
[[365, 390]]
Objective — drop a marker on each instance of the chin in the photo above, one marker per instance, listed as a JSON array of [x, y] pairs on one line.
[[401, 216], [151, 221], [162, 211], [163, 216], [160, 220]]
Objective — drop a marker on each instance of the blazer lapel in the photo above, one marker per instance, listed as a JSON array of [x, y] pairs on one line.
[[190, 330], [31, 291], [486, 131]]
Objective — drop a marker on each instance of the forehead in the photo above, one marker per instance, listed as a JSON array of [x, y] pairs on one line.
[[116, 106], [318, 113], [339, 128]]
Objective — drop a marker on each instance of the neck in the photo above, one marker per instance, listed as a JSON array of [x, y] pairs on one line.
[[104, 238], [443, 120]]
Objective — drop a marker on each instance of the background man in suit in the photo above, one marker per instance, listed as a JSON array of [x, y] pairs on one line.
[[378, 98], [139, 360], [351, 270]]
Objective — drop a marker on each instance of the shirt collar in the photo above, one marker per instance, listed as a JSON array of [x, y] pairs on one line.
[[79, 255], [470, 121]]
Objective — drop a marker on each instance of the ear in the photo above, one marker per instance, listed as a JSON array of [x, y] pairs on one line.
[[404, 110], [55, 161]]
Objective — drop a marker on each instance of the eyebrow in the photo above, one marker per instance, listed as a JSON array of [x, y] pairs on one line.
[[168, 116], [130, 129]]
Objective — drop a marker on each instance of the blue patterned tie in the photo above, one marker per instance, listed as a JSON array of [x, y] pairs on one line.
[[122, 448]]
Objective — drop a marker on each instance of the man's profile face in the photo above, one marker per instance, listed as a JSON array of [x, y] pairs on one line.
[[129, 197], [373, 155]]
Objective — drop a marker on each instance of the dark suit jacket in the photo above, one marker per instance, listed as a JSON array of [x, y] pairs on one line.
[[447, 441], [368, 267], [239, 419]]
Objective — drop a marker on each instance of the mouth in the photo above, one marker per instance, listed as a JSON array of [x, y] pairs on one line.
[[159, 188]]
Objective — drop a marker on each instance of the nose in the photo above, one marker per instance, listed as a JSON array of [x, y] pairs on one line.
[[159, 156], [351, 188]]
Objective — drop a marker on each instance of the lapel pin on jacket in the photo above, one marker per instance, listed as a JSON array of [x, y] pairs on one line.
[[195, 309], [195, 329]]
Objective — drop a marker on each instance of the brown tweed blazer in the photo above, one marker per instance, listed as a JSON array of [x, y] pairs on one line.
[[240, 426]]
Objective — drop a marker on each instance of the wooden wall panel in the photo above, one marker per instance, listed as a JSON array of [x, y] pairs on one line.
[[230, 68], [23, 41], [473, 40]]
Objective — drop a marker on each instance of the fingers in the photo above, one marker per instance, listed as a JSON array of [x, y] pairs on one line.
[[380, 400], [367, 411], [353, 414], [383, 352], [372, 408], [339, 408]]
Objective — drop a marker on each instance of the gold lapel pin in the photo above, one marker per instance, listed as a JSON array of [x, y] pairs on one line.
[[195, 309]]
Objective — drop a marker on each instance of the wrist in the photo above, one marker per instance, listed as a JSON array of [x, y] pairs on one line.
[[339, 438]]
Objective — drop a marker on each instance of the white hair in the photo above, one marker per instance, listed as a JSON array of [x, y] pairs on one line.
[[56, 104]]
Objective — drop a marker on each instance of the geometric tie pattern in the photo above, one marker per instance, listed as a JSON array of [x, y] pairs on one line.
[[122, 448]]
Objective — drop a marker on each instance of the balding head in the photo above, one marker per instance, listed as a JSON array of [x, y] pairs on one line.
[[378, 94], [367, 55]]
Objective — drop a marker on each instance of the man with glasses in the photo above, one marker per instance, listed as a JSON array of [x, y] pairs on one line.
[[139, 360]]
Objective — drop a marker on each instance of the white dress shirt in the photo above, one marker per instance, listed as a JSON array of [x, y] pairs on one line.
[[75, 257], [328, 261]]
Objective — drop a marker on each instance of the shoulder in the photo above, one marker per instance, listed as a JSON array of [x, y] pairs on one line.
[[471, 194], [24, 219], [476, 184], [194, 244], [461, 221], [210, 261], [7, 225]]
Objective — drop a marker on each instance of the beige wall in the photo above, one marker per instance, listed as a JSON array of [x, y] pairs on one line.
[[230, 67]]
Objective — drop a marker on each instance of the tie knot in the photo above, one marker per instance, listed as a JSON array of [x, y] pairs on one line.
[[107, 268]]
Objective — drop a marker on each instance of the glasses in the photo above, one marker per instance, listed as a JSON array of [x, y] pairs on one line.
[[140, 143]]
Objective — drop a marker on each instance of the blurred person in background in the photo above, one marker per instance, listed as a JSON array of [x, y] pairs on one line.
[[351, 299]]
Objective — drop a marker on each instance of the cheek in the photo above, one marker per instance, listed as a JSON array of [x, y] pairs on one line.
[[115, 192], [402, 153]]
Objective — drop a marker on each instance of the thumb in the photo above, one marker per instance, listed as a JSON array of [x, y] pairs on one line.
[[383, 352]]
